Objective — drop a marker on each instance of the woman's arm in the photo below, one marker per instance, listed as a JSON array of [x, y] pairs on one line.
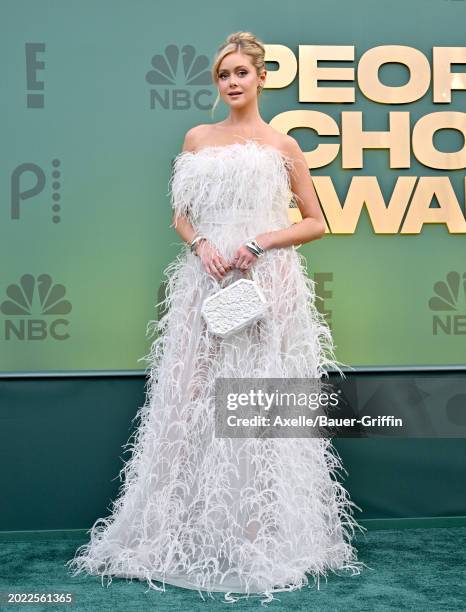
[[312, 226], [181, 223], [214, 264]]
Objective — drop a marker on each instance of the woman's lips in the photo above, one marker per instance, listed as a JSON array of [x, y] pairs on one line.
[[233, 95]]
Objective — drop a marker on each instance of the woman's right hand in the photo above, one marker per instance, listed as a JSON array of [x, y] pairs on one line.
[[214, 264]]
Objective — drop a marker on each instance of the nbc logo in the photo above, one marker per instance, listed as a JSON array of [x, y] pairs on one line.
[[33, 307], [178, 78], [450, 304]]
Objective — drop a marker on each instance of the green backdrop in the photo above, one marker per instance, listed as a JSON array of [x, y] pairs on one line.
[[91, 119]]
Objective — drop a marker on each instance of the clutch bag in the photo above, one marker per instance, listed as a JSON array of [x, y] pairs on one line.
[[234, 307]]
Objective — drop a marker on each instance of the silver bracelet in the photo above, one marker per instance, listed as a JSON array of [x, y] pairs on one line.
[[194, 242], [255, 248]]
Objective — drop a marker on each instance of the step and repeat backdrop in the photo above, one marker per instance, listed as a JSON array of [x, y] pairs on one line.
[[96, 99]]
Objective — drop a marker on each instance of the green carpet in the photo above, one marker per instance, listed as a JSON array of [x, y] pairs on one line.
[[411, 569]]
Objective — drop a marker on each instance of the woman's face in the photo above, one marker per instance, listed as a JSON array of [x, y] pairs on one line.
[[237, 74]]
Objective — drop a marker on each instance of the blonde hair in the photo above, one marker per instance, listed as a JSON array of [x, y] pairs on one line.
[[240, 42]]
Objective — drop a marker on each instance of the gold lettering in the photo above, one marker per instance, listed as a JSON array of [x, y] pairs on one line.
[[321, 123], [364, 190], [368, 74], [423, 140], [409, 206], [448, 212], [445, 80], [287, 66], [355, 139], [310, 73]]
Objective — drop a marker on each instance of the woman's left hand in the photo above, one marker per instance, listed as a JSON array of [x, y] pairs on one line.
[[243, 259]]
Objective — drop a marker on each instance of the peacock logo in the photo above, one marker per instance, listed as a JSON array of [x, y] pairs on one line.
[[178, 79], [449, 300], [30, 298]]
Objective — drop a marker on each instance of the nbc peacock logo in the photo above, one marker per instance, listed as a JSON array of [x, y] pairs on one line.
[[178, 79], [34, 309], [449, 302]]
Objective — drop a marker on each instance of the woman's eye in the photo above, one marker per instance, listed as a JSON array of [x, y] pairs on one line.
[[240, 72]]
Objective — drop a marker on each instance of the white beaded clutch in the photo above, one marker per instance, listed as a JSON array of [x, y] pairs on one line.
[[234, 307]]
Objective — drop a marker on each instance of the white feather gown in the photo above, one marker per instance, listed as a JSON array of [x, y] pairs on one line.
[[245, 515]]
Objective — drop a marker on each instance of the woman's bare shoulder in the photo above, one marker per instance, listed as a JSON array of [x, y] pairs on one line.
[[207, 134], [194, 136], [282, 141]]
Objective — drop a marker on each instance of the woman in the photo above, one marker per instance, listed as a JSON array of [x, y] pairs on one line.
[[237, 515]]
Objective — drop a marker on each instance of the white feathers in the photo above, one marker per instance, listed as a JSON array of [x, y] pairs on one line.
[[251, 515]]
